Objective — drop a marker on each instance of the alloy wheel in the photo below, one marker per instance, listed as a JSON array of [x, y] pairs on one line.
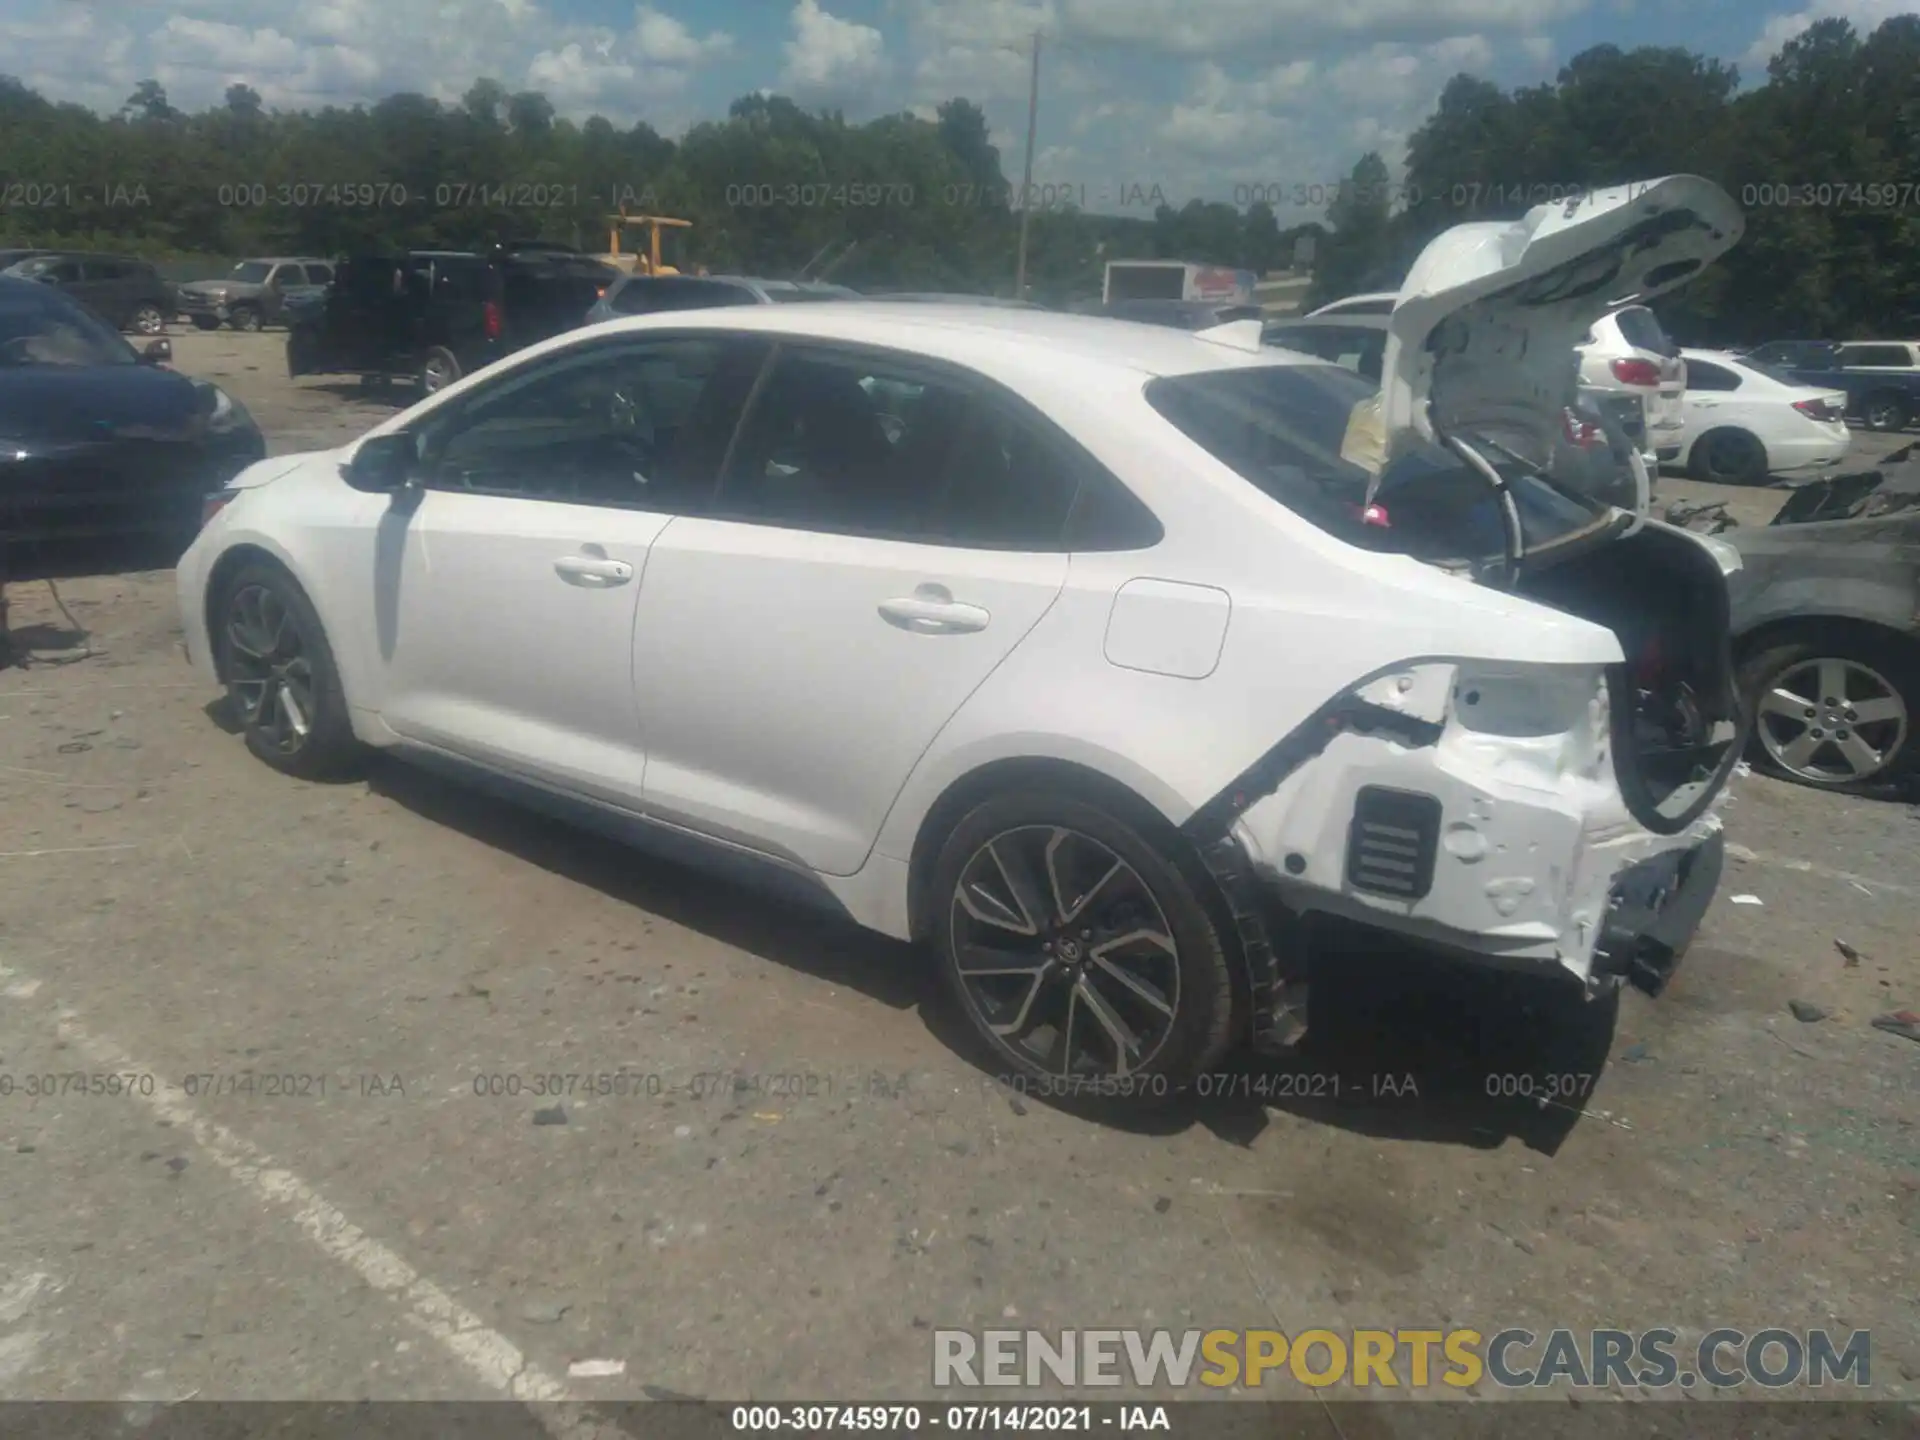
[[435, 375], [148, 320], [1832, 721], [269, 674], [1730, 456], [1063, 953]]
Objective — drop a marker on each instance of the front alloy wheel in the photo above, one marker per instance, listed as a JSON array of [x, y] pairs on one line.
[[282, 684], [269, 675], [1832, 721], [1063, 953]]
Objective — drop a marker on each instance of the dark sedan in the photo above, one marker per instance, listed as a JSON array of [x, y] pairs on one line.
[[97, 438]]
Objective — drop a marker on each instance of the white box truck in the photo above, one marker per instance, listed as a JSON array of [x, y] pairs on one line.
[[1176, 280]]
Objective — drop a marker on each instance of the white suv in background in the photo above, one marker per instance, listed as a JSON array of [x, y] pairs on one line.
[[1627, 351]]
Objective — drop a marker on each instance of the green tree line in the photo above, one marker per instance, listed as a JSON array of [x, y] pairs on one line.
[[1824, 154]]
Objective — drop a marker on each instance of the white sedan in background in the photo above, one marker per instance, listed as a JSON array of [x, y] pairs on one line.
[[1745, 421], [1084, 652]]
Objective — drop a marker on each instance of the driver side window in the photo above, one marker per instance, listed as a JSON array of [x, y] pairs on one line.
[[608, 425]]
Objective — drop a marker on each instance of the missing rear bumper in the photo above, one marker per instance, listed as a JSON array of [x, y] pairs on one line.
[[1654, 911], [1276, 986]]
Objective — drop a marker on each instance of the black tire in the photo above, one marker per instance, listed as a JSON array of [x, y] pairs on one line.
[[1893, 662], [1728, 457], [1168, 898], [147, 320], [438, 369], [1885, 410], [205, 322], [244, 318], [328, 749]]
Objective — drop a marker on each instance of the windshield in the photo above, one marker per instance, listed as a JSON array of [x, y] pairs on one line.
[[42, 334], [250, 272], [1291, 431]]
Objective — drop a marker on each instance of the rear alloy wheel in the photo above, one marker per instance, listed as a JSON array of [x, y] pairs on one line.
[[281, 678], [1081, 954], [147, 320], [1835, 716], [244, 317], [1729, 457], [1884, 411], [438, 370]]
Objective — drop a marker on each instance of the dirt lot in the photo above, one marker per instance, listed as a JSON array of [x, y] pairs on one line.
[[391, 1223]]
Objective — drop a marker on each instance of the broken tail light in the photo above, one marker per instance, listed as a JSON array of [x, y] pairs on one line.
[[1821, 409], [1636, 372]]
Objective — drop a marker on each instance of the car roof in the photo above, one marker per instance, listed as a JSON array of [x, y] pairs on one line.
[[983, 337]]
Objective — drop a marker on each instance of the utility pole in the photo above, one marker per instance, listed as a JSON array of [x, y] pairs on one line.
[[1026, 183]]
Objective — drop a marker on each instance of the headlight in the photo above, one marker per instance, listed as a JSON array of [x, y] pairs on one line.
[[227, 414]]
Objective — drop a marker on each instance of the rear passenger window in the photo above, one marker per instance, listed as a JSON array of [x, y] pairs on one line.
[[864, 447], [1704, 376], [1876, 356]]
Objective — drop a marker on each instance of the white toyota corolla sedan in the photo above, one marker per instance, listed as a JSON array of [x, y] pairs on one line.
[[1099, 657]]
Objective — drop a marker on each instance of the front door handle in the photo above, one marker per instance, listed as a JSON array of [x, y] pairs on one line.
[[927, 615], [593, 571]]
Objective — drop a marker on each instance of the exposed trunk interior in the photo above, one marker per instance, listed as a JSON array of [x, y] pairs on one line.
[[1677, 723]]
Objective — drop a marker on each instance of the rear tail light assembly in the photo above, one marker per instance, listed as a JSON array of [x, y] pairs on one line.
[[1819, 409], [495, 322], [1583, 433], [1636, 372]]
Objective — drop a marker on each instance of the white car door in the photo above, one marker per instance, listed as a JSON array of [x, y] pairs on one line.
[[506, 593], [885, 535]]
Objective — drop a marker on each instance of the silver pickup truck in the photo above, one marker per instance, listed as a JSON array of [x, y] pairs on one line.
[[254, 293]]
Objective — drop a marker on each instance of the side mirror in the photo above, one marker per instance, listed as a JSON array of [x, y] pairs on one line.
[[156, 352], [383, 464]]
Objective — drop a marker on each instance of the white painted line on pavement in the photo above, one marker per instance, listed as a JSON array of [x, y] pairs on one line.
[[492, 1358]]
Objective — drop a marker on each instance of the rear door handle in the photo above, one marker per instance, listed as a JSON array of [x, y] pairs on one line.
[[928, 616], [592, 570]]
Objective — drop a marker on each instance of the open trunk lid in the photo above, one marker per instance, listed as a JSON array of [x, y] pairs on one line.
[[1481, 345]]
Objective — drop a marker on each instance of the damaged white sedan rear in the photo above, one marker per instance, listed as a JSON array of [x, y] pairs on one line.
[[1095, 655]]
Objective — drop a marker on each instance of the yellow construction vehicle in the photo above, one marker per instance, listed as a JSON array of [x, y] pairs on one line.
[[640, 264]]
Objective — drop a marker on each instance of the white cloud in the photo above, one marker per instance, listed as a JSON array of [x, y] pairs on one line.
[[664, 40], [1865, 15], [356, 51], [828, 56], [1538, 48], [1226, 28]]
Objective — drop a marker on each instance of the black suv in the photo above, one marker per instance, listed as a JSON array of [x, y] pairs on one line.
[[433, 316], [127, 293]]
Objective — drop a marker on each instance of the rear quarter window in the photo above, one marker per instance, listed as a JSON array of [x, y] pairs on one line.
[[1640, 328]]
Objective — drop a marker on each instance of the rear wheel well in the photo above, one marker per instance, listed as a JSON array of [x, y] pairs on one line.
[[976, 786], [230, 564], [1825, 630]]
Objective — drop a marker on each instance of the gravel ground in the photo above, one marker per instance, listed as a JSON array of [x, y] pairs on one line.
[[379, 1224]]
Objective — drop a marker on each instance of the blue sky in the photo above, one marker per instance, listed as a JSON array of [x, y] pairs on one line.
[[1194, 97]]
